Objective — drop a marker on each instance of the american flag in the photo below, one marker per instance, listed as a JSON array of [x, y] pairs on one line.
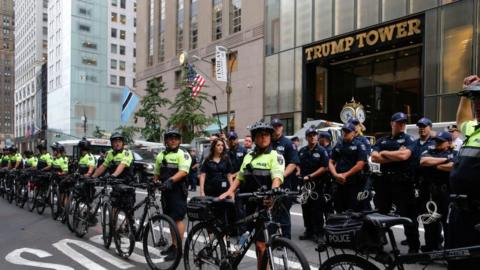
[[197, 85]]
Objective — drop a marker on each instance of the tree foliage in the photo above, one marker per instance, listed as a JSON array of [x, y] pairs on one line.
[[189, 113], [150, 110]]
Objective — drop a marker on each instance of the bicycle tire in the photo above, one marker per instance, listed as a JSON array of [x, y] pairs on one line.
[[175, 235], [41, 202], [23, 195], [80, 215], [106, 220], [19, 195], [347, 261], [10, 194], [54, 203], [128, 230], [32, 201], [284, 243], [220, 244], [69, 212]]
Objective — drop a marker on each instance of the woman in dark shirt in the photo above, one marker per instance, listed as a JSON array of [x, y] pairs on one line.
[[216, 173]]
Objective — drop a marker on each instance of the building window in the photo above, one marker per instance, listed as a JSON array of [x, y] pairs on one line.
[[178, 79], [84, 28], [89, 45], [123, 34], [122, 50], [161, 35], [113, 80], [90, 61], [122, 65], [114, 33], [122, 3], [84, 12], [121, 81], [217, 19], [235, 16], [113, 48], [123, 19], [114, 3], [114, 17], [113, 64], [193, 24], [151, 24], [180, 19], [45, 17]]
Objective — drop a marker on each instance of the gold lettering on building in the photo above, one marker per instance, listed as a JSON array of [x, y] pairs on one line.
[[365, 39]]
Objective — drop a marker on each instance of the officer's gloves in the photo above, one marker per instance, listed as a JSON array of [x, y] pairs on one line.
[[168, 184]]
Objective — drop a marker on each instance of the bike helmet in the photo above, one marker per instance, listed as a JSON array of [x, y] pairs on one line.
[[172, 132], [13, 148], [58, 147], [117, 135], [311, 130], [259, 127], [84, 144], [471, 91], [28, 153]]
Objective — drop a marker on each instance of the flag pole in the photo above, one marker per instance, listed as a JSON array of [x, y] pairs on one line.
[[216, 110]]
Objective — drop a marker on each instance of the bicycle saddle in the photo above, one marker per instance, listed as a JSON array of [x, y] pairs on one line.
[[384, 221]]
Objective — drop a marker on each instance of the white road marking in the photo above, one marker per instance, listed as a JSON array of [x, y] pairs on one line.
[[64, 247], [15, 257]]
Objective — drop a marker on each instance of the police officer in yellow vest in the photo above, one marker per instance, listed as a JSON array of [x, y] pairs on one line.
[[118, 161], [45, 159], [86, 164], [464, 177], [16, 159], [171, 168], [262, 168], [30, 160]]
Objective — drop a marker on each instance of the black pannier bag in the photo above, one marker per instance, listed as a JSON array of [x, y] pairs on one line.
[[349, 231], [200, 209], [123, 197], [84, 190]]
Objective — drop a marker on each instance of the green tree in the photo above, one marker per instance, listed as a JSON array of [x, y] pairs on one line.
[[150, 108], [98, 133], [189, 113], [128, 133]]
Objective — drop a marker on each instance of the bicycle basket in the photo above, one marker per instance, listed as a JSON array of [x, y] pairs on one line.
[[200, 209], [123, 197]]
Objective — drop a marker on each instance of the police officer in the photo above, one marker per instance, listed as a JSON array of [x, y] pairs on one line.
[[325, 140], [16, 159], [264, 167], [86, 164], [285, 147], [30, 160], [60, 161], [349, 156], [396, 186], [118, 160], [235, 151], [171, 168], [45, 159], [436, 164], [359, 128], [464, 178], [313, 168]]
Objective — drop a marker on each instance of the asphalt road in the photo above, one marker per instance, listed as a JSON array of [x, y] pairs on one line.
[[32, 241]]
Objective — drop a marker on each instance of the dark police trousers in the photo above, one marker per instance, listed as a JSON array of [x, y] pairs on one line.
[[462, 233], [440, 194], [315, 211], [345, 195], [283, 217], [398, 189]]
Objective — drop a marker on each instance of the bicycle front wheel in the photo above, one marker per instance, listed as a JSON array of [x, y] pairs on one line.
[[80, 218], [204, 248], [124, 233], [106, 224], [284, 254], [32, 198], [162, 245], [41, 202], [69, 212], [347, 261], [54, 203]]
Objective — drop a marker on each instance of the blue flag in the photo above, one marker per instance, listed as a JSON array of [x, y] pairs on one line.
[[129, 103]]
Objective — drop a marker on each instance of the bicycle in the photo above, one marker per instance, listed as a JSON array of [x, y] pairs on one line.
[[41, 195], [11, 185], [22, 189], [381, 225], [161, 239], [212, 235], [3, 174]]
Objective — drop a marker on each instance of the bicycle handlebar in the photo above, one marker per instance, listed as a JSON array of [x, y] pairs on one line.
[[268, 193]]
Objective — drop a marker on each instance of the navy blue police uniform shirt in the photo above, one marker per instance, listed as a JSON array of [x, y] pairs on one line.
[[393, 143], [236, 157], [312, 160], [364, 141], [284, 146], [419, 148], [431, 173], [347, 154]]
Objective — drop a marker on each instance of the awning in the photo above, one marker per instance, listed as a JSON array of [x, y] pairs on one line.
[[213, 128]]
